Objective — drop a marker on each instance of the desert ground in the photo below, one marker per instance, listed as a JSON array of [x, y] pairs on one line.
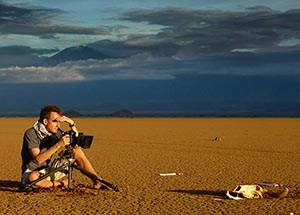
[[213, 155]]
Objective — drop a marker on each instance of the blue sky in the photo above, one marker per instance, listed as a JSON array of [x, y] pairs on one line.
[[147, 39]]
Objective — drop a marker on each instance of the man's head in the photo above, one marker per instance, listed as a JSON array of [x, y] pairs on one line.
[[50, 116]]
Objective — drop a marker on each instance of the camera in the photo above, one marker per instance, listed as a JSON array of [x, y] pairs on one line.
[[84, 141]]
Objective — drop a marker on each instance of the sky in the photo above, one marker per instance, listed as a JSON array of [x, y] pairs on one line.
[[148, 39], [61, 41]]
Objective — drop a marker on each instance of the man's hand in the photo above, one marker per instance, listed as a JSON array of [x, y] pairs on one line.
[[71, 123], [67, 120], [64, 141]]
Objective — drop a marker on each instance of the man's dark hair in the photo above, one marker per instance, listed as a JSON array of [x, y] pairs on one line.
[[46, 111]]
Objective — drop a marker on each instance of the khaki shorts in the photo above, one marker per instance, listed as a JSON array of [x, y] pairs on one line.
[[53, 177]]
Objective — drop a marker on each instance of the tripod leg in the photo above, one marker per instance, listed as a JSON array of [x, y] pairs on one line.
[[94, 177], [69, 175]]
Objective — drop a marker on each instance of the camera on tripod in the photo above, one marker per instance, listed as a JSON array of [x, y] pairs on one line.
[[84, 141], [81, 140]]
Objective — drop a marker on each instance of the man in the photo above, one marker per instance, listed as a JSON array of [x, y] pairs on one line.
[[42, 144]]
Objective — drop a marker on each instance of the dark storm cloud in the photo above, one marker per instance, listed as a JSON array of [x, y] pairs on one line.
[[21, 50], [22, 56], [258, 28], [38, 22], [22, 15]]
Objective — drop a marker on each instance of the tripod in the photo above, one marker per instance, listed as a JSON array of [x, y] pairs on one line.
[[68, 166]]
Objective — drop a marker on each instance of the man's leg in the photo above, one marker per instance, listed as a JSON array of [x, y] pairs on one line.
[[83, 162], [45, 183]]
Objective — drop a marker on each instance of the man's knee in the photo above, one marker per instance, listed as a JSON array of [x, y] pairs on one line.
[[33, 176], [78, 153]]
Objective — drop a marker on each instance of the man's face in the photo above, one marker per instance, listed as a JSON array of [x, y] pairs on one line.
[[52, 124]]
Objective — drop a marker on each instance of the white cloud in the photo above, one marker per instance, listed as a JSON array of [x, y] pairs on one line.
[[137, 67], [39, 74], [289, 42], [141, 66], [243, 50]]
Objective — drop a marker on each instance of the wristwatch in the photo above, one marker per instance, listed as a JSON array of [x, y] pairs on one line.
[[72, 125]]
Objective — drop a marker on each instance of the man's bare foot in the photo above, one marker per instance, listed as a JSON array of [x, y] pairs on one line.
[[59, 184], [98, 185]]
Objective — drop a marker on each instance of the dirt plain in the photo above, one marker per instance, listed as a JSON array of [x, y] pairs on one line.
[[213, 155]]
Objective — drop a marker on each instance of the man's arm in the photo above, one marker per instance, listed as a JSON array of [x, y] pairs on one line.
[[42, 157]]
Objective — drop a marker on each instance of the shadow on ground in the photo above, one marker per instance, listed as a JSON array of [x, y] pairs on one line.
[[219, 194], [8, 185]]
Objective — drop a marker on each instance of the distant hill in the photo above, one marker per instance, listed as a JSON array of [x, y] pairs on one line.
[[74, 54], [72, 113], [122, 113]]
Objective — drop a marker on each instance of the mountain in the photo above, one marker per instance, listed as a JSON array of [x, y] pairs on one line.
[[72, 113], [122, 113], [74, 54], [120, 49], [104, 49]]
